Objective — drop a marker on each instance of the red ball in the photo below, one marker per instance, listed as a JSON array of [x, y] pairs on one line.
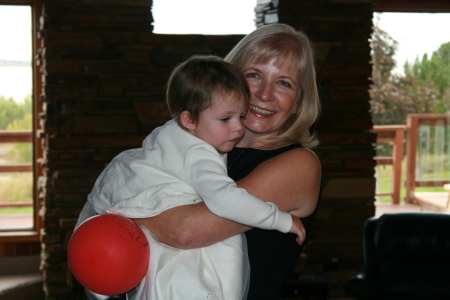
[[108, 254]]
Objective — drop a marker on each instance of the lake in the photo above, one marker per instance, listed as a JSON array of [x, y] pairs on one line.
[[16, 82]]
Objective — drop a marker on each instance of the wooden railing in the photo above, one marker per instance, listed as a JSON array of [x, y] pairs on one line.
[[16, 136], [440, 138], [392, 134], [431, 130]]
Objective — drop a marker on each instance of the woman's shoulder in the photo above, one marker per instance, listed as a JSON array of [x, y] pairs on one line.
[[293, 164], [291, 180], [295, 156]]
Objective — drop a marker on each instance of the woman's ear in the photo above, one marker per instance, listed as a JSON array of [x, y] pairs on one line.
[[295, 109], [187, 120]]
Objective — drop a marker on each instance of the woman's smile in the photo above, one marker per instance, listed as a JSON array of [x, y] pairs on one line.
[[260, 112]]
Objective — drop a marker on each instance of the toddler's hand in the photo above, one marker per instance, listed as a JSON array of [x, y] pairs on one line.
[[298, 229]]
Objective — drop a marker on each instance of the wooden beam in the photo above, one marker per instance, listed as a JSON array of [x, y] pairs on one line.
[[15, 204], [384, 160], [15, 136], [16, 168], [430, 183], [433, 7]]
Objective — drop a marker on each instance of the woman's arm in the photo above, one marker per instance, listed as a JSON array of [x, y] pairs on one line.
[[191, 226], [291, 180]]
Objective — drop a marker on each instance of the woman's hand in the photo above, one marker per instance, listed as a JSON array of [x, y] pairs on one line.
[[298, 229]]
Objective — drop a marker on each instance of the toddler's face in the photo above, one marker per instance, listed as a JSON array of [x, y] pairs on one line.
[[222, 124]]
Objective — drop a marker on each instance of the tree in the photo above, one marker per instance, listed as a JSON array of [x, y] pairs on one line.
[[17, 116], [402, 95], [383, 51], [394, 96], [11, 111], [435, 71]]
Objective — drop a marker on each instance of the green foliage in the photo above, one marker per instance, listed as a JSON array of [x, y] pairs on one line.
[[11, 111], [383, 51], [22, 152], [21, 124], [16, 187], [435, 71], [423, 90], [402, 95]]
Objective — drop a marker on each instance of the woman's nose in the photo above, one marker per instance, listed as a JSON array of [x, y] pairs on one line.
[[264, 92]]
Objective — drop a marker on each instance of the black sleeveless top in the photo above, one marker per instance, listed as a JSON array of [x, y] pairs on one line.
[[272, 254]]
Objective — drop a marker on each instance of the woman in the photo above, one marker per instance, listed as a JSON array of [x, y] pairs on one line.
[[272, 160]]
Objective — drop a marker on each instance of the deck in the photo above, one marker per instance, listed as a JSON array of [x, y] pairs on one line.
[[424, 202]]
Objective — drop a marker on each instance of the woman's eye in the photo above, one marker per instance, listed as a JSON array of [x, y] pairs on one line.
[[252, 75], [285, 83]]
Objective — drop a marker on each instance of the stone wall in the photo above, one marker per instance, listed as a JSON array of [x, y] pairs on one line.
[[340, 31], [104, 73]]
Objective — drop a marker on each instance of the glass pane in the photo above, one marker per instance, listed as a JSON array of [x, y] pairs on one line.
[[16, 89], [203, 16]]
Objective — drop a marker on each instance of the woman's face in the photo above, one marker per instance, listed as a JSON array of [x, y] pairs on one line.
[[274, 91]]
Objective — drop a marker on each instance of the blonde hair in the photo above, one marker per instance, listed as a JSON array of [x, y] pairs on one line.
[[279, 43]]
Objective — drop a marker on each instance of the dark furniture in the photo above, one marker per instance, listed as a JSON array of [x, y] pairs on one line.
[[406, 256]]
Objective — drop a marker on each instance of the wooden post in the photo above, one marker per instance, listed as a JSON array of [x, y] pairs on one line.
[[397, 156], [38, 152], [412, 123], [395, 134]]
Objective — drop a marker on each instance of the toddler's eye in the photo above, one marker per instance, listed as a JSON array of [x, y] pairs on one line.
[[243, 117], [225, 119]]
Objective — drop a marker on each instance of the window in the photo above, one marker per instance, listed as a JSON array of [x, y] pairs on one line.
[[203, 16], [422, 44], [19, 87]]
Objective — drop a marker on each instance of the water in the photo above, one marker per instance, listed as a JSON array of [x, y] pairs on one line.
[[16, 82]]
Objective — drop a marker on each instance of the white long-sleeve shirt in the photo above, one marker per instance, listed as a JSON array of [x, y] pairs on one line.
[[175, 168]]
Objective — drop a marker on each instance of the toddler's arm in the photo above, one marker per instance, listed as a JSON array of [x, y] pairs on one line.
[[207, 173]]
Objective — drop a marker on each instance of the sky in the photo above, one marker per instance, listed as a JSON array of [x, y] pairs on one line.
[[12, 47], [193, 17], [416, 33]]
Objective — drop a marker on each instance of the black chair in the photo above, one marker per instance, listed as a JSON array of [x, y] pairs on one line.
[[406, 256]]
